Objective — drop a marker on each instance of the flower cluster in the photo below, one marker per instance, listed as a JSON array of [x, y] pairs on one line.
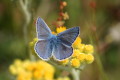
[[82, 53], [32, 70], [62, 15]]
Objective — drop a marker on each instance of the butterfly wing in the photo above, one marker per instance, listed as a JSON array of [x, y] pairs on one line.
[[63, 48], [61, 51], [43, 31], [68, 37], [43, 49]]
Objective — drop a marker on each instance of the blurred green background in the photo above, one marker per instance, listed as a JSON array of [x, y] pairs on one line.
[[99, 22]]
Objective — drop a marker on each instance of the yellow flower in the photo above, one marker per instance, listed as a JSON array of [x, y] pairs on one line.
[[81, 57], [44, 69], [28, 70], [81, 47], [28, 76], [31, 66], [77, 43], [88, 49], [75, 62], [89, 58], [65, 16], [38, 74], [76, 52], [63, 78], [35, 39], [17, 62], [60, 29], [20, 69], [31, 44], [12, 69], [21, 77], [45, 66], [64, 62], [24, 76], [26, 63], [66, 78], [48, 75], [54, 33]]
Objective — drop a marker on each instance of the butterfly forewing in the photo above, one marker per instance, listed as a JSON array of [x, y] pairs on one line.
[[43, 31], [68, 37]]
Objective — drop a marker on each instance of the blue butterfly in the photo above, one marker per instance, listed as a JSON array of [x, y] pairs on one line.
[[59, 46]]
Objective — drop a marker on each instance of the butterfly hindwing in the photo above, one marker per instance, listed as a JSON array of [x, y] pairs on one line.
[[61, 51], [44, 49], [43, 31]]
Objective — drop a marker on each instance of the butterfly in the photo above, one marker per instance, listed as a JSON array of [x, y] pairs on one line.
[[59, 46]]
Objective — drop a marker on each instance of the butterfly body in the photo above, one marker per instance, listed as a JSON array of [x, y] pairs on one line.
[[59, 46]]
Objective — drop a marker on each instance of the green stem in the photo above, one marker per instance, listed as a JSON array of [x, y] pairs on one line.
[[76, 74], [59, 66], [24, 4]]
